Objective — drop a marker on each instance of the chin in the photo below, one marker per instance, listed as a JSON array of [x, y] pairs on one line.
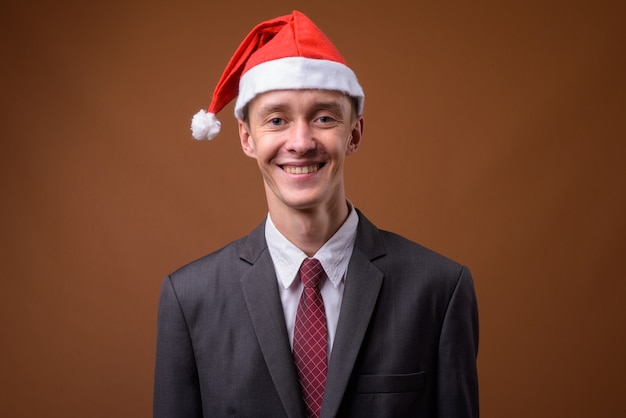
[[302, 202]]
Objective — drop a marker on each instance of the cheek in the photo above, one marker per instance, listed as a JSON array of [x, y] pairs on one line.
[[265, 151]]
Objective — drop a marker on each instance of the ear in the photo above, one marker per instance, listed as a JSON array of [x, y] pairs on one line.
[[247, 142], [355, 136]]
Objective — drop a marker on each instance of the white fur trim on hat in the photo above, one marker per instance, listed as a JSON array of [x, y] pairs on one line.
[[297, 73], [205, 125]]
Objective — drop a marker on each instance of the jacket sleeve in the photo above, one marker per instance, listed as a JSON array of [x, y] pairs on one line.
[[176, 385], [458, 350]]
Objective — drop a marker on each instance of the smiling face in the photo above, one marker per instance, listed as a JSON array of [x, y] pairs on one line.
[[300, 139]]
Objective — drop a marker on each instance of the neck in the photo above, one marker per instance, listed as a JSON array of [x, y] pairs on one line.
[[309, 229]]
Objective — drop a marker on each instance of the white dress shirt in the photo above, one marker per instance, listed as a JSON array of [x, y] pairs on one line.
[[334, 256]]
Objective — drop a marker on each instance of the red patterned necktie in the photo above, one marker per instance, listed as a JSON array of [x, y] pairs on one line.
[[310, 337]]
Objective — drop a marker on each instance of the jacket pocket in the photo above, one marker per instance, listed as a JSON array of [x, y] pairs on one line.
[[391, 383]]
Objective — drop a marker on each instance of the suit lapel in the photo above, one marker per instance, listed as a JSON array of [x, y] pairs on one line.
[[260, 291], [363, 284]]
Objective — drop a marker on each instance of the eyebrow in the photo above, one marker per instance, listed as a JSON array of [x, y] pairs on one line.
[[331, 106], [271, 108]]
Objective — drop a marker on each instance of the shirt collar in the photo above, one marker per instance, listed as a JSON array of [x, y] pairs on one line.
[[334, 254]]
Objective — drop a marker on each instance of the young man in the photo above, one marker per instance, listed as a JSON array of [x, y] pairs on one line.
[[316, 312]]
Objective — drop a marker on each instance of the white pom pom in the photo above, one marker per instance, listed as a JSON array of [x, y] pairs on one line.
[[205, 125]]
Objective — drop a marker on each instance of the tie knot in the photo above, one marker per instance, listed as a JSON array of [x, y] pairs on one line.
[[311, 272]]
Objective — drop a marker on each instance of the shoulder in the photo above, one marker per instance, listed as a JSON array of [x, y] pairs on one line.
[[409, 254], [214, 261], [400, 257], [231, 258], [218, 272], [402, 246], [378, 243]]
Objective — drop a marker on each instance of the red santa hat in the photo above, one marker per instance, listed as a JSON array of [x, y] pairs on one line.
[[287, 52]]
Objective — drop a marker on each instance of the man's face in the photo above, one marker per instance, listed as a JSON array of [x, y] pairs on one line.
[[300, 139]]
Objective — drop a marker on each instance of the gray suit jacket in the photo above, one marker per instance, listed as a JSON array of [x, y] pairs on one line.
[[405, 346]]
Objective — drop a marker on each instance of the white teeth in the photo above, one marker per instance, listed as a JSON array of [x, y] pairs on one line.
[[302, 170]]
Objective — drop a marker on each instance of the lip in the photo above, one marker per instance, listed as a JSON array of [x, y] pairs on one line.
[[301, 168]]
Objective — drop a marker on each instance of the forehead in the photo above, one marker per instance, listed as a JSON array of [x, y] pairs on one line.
[[299, 99]]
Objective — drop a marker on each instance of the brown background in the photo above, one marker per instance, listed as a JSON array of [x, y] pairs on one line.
[[494, 134]]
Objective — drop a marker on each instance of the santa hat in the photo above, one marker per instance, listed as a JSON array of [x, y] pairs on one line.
[[288, 52]]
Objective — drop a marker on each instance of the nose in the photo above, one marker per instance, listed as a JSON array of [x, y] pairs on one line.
[[301, 139]]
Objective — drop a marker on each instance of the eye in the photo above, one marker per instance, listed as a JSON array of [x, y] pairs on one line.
[[326, 119], [276, 121]]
